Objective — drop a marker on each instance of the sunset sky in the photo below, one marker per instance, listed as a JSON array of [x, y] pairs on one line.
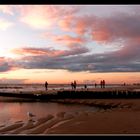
[[63, 43]]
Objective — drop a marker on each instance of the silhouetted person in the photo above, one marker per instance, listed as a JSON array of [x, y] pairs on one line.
[[103, 83], [124, 84], [85, 86], [95, 85], [46, 85], [74, 84]]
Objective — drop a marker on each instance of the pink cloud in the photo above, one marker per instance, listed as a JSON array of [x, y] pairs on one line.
[[29, 51], [49, 52], [124, 28], [43, 16], [77, 24], [65, 23], [101, 36], [80, 27], [67, 39], [104, 29], [37, 16], [37, 51]]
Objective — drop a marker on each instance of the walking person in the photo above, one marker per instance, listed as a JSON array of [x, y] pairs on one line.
[[46, 85]]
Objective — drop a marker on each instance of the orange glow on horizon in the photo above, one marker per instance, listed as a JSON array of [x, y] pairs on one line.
[[64, 76]]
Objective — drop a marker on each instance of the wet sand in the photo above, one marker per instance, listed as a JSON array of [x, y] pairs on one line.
[[121, 116]]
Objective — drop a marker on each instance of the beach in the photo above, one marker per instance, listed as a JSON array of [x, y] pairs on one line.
[[108, 116], [69, 70], [122, 116]]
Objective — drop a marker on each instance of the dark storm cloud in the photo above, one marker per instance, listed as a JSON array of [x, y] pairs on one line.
[[109, 62]]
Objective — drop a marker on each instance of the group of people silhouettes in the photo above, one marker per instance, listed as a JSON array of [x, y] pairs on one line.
[[73, 85], [102, 83]]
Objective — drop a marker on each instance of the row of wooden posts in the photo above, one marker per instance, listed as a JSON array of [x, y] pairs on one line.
[[77, 94]]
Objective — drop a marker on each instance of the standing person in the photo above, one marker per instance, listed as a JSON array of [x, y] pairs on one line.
[[95, 85], [103, 83], [75, 84], [46, 85], [72, 85], [85, 86]]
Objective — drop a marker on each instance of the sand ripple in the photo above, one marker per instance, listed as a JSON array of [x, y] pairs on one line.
[[51, 124]]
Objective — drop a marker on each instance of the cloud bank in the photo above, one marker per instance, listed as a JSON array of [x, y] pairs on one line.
[[123, 28]]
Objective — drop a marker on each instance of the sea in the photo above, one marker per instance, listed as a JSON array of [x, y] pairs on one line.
[[40, 87]]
